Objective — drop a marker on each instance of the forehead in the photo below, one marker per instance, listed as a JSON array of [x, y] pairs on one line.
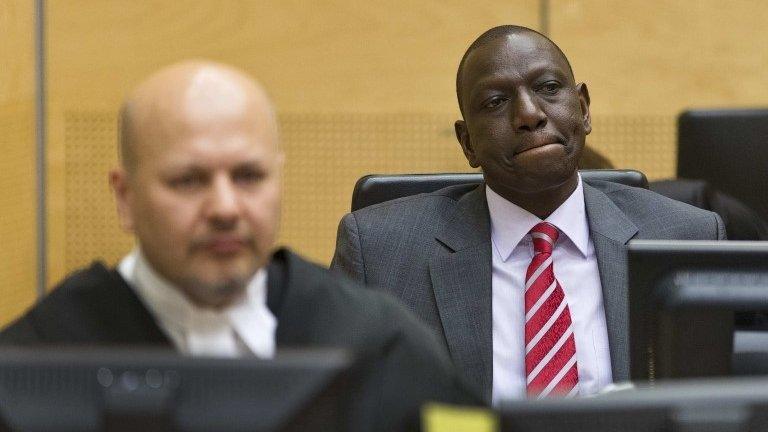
[[214, 147], [513, 54]]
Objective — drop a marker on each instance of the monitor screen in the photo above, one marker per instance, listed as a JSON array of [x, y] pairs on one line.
[[682, 299], [88, 390]]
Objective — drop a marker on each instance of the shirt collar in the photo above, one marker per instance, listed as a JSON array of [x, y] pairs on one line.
[[511, 223], [249, 316]]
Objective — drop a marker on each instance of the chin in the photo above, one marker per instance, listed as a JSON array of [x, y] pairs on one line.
[[232, 274], [218, 286]]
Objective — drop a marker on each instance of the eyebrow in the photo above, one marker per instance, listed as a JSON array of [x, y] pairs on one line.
[[187, 165], [500, 78]]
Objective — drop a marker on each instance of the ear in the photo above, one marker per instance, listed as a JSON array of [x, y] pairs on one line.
[[462, 134], [584, 103], [121, 187]]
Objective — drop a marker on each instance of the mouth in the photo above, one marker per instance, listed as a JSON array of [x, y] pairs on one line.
[[539, 143], [225, 246]]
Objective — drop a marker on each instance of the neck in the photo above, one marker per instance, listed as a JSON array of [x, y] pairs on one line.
[[540, 203]]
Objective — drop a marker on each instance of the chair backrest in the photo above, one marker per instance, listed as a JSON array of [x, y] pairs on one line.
[[728, 149], [376, 188]]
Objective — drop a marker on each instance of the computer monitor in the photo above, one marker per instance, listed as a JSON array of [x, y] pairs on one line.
[[682, 299], [733, 404], [86, 390]]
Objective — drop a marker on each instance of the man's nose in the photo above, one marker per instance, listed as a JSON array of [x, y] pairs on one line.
[[527, 113], [223, 206]]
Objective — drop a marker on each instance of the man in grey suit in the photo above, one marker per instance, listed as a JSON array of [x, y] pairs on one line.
[[525, 276]]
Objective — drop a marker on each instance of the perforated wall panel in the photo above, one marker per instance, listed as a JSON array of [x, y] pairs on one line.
[[644, 143], [92, 230]]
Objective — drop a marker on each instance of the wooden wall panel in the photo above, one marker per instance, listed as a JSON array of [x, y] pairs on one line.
[[659, 58], [17, 163], [324, 56]]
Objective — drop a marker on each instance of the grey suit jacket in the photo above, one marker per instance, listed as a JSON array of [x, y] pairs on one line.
[[433, 251]]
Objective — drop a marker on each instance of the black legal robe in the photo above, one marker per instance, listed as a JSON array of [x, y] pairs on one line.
[[313, 307]]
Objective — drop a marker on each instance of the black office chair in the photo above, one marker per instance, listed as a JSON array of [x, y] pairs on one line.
[[376, 188], [728, 149]]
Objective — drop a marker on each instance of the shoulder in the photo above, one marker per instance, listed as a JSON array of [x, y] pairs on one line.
[[414, 204], [340, 302], [79, 288], [410, 216], [83, 287], [314, 284], [79, 295], [629, 196], [658, 216]]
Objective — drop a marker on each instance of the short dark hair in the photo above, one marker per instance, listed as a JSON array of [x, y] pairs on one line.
[[489, 36]]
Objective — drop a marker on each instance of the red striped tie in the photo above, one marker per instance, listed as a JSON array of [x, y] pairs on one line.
[[550, 349]]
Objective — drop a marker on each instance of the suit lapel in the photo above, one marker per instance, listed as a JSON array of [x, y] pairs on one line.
[[460, 272], [610, 230]]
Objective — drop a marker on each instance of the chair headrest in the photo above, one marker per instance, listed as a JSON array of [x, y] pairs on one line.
[[376, 188]]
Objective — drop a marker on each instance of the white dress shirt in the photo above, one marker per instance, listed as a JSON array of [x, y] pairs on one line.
[[575, 266], [245, 328]]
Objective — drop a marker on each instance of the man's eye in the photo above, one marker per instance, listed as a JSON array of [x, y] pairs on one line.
[[187, 181], [247, 176], [495, 102], [551, 87]]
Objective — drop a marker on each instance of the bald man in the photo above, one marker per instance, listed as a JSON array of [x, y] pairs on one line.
[[199, 187]]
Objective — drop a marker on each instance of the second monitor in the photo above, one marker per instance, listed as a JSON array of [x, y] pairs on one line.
[[682, 297]]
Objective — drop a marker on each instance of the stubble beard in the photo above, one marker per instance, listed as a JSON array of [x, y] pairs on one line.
[[218, 294]]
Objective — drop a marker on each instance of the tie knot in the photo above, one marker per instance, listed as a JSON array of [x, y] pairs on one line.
[[544, 236]]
